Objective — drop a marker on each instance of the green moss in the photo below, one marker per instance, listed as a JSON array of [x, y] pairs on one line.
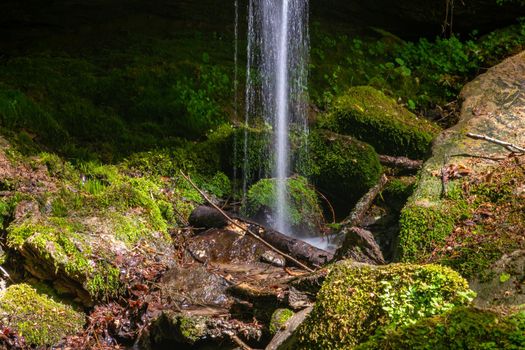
[[397, 191], [370, 116], [460, 328], [461, 229], [191, 329], [355, 300], [304, 211], [41, 320], [341, 166], [279, 318], [423, 228], [61, 243]]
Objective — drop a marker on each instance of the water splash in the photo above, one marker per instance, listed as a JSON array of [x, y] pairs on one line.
[[276, 80]]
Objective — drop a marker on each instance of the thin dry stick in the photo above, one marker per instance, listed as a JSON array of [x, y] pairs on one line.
[[245, 229], [239, 342], [508, 145], [327, 202]]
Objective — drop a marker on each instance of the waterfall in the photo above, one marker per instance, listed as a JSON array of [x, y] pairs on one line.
[[276, 80]]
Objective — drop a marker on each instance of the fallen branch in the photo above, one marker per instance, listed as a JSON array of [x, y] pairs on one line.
[[254, 235], [298, 248], [357, 215], [400, 162], [239, 342], [510, 146]]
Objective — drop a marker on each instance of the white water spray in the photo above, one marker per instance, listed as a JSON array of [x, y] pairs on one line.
[[281, 166], [276, 83]]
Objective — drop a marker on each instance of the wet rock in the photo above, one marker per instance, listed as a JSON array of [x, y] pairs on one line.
[[172, 329], [225, 246], [191, 285], [273, 258], [360, 245], [342, 167], [304, 213], [207, 217]]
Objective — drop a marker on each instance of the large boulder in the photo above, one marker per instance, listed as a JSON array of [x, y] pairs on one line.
[[467, 208], [357, 299], [370, 116], [341, 166], [91, 231]]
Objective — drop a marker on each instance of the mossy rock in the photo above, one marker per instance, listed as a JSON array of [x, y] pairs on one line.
[[460, 328], [279, 318], [357, 299], [341, 166], [37, 317], [370, 116], [305, 214], [79, 230]]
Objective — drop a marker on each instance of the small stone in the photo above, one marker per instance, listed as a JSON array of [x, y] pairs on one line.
[[273, 258]]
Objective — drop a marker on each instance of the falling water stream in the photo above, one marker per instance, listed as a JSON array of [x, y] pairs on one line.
[[276, 79]]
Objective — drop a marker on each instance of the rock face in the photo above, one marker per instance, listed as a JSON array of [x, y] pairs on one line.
[[370, 116], [357, 299], [467, 208]]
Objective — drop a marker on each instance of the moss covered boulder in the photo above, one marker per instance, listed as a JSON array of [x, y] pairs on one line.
[[90, 229], [460, 328], [305, 214], [37, 317], [370, 116], [356, 299], [467, 208], [342, 166]]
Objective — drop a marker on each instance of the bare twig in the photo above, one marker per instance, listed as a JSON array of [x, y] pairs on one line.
[[254, 235], [239, 342], [400, 162], [510, 146], [332, 211], [357, 214]]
